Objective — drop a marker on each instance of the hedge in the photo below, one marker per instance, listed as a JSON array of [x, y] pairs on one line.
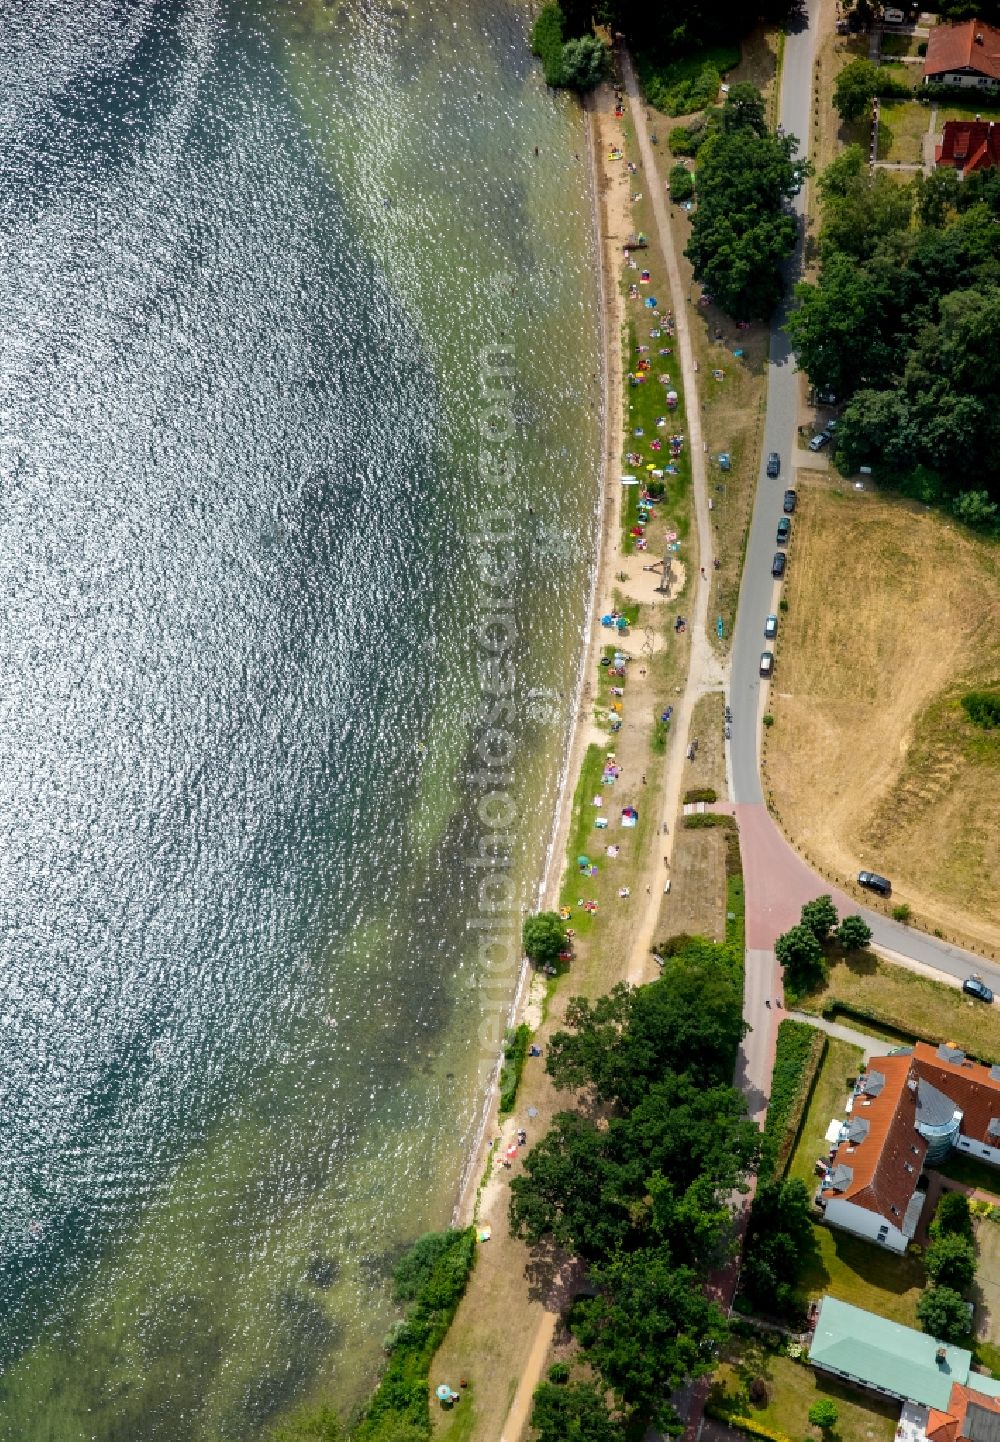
[[798, 1057], [515, 1052], [745, 1424], [700, 793]]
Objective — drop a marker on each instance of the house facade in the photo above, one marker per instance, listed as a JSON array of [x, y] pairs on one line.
[[966, 54], [908, 1109]]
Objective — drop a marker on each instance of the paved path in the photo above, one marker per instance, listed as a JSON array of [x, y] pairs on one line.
[[870, 1045]]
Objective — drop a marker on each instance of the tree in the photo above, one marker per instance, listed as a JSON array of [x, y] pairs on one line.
[[801, 955], [689, 1020], [681, 184], [854, 933], [943, 1313], [547, 42], [847, 302], [742, 228], [573, 1414], [855, 88], [876, 425], [823, 1413], [570, 1191], [779, 1243], [820, 917], [584, 63], [649, 1330], [951, 1261], [952, 1217], [543, 937]]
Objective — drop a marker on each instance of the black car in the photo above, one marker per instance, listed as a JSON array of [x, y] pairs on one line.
[[778, 564], [871, 881], [975, 986], [790, 499], [784, 531], [773, 464]]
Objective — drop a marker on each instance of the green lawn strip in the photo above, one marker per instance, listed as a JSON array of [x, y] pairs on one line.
[[906, 1005], [461, 1419], [792, 1388], [583, 838], [646, 404], [906, 123], [840, 1067], [797, 1061]]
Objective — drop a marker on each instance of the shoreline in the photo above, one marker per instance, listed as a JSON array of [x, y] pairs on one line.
[[606, 515]]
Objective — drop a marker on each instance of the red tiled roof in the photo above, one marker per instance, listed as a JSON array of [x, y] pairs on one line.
[[969, 1084], [886, 1164], [954, 47], [950, 1426], [969, 145]]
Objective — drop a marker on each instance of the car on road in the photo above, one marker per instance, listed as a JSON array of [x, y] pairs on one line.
[[975, 986], [789, 502], [770, 628], [773, 465], [818, 442], [871, 881], [778, 564], [784, 531], [766, 662]]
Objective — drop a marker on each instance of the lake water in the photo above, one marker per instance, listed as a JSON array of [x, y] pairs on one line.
[[298, 476]]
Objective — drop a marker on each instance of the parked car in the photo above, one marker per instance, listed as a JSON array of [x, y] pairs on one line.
[[770, 628], [871, 881], [975, 986], [789, 505], [784, 531], [778, 564], [766, 662], [818, 442], [773, 465]]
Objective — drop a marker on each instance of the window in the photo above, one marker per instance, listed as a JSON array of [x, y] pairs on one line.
[[894, 1211], [985, 1151]]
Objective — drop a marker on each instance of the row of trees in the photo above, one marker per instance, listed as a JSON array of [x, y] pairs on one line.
[[637, 1180], [914, 270], [951, 1265], [743, 228], [802, 950]]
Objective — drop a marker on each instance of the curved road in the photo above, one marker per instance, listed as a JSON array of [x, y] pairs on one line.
[[777, 880]]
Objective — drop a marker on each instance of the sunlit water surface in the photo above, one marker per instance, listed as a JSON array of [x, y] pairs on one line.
[[251, 261]]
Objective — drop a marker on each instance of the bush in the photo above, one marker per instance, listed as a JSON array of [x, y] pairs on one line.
[[547, 42], [902, 912], [679, 87], [797, 1058], [823, 1413], [768, 719], [952, 1218], [515, 1052], [700, 793], [681, 184], [982, 708], [559, 1374]]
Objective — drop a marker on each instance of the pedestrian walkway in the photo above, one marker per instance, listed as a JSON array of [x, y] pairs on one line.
[[870, 1045]]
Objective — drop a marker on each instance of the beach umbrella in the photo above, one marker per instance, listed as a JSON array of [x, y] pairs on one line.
[[582, 861], [443, 1393], [511, 1152]]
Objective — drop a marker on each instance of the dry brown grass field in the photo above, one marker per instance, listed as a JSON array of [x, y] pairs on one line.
[[893, 612]]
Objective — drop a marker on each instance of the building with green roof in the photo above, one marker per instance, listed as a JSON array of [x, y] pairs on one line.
[[887, 1357]]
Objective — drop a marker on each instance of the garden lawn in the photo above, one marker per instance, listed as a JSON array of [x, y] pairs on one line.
[[792, 1389], [905, 123], [845, 1266], [916, 1006]]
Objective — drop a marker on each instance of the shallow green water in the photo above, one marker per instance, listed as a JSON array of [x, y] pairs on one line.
[[258, 263]]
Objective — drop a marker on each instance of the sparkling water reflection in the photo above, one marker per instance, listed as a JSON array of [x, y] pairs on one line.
[[248, 260]]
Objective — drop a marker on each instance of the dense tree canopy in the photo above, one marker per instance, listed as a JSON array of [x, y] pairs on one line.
[[577, 1413], [690, 1020], [951, 1261], [543, 937], [742, 228], [943, 1313], [912, 272], [802, 957], [855, 88], [779, 1243]]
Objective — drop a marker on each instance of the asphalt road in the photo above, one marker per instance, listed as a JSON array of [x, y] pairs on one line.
[[784, 880]]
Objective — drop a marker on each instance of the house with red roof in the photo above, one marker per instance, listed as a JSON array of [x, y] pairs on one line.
[[908, 1109], [966, 54], [968, 146]]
